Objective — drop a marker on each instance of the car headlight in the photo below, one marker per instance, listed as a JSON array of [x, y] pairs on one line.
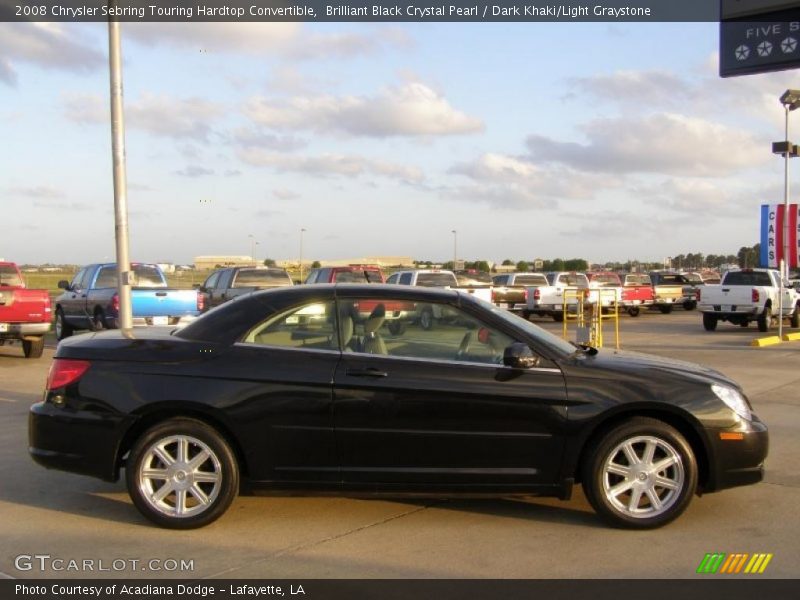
[[732, 398]]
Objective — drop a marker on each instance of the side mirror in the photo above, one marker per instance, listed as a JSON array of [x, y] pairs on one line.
[[520, 356], [63, 284]]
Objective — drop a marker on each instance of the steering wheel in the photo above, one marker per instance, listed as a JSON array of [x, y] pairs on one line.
[[466, 342]]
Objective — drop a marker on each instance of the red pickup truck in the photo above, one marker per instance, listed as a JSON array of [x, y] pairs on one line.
[[25, 314], [637, 292]]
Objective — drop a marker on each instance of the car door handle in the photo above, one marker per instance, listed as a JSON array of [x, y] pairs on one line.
[[370, 372]]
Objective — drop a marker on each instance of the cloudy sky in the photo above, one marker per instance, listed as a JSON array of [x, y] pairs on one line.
[[600, 141]]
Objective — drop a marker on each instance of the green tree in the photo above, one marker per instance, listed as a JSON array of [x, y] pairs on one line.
[[522, 266], [482, 266], [315, 265], [507, 262], [268, 262]]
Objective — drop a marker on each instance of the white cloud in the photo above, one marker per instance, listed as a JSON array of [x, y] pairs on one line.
[[251, 137], [160, 115], [670, 144], [413, 109], [48, 46], [331, 164], [194, 171], [39, 192], [284, 194]]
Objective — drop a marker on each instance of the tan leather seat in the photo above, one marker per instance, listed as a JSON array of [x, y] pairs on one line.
[[373, 341]]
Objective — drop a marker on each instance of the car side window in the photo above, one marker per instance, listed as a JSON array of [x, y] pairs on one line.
[[310, 326], [76, 281], [106, 278], [225, 279], [433, 331], [405, 279], [312, 276], [211, 282], [393, 278]]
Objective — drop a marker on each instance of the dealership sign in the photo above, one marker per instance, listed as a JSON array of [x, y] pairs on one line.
[[758, 36], [773, 222]]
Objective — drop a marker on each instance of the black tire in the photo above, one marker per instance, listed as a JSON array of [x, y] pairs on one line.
[[744, 323], [525, 314], [397, 327], [665, 308], [63, 330], [185, 490], [558, 317], [709, 322], [794, 320], [690, 305], [33, 348], [634, 311], [426, 318], [631, 507], [99, 321], [765, 319]]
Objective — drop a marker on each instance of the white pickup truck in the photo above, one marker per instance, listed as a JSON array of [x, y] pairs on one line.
[[550, 299], [748, 295]]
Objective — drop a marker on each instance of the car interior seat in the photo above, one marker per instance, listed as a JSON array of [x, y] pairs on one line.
[[373, 341]]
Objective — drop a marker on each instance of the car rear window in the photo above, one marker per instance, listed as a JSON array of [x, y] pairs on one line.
[[637, 280], [144, 276], [474, 279], [605, 279], [530, 280], [261, 277], [436, 280], [747, 278], [365, 276], [9, 276]]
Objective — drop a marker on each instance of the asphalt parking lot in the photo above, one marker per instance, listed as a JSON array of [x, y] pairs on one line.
[[68, 517]]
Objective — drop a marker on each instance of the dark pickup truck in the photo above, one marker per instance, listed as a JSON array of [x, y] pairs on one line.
[[226, 284], [24, 314], [91, 300]]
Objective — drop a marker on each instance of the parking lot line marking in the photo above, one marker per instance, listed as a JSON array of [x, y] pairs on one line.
[[7, 400]]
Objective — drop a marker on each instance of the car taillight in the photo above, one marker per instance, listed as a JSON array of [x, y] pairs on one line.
[[537, 294], [755, 296], [697, 295], [64, 371], [201, 301], [525, 294], [115, 302], [494, 296]]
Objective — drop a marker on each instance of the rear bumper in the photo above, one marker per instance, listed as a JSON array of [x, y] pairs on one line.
[[20, 330], [738, 462], [77, 441]]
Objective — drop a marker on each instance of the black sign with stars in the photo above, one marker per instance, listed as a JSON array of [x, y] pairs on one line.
[[760, 43]]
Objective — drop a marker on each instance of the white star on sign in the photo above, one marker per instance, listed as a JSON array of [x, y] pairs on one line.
[[789, 45], [742, 52], [764, 49]]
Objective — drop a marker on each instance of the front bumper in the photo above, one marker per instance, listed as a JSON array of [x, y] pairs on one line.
[[737, 455]]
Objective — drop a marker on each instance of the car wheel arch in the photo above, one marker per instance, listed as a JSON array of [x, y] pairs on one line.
[[158, 414], [682, 421]]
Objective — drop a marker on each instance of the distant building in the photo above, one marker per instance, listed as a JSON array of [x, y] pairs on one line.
[[381, 261], [204, 263], [166, 267]]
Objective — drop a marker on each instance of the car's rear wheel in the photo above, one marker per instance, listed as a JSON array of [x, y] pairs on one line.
[[794, 320], [33, 347], [397, 327], [765, 319], [99, 322], [665, 308], [426, 319], [709, 322], [63, 330], [558, 317], [640, 474], [689, 305], [634, 311], [182, 474]]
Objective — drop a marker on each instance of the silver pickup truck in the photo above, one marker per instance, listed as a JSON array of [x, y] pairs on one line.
[[550, 299]]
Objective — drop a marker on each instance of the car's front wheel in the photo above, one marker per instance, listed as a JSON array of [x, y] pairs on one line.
[[182, 474], [640, 474]]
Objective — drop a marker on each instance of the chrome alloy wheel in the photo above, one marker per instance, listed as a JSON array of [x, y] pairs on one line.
[[643, 477], [180, 476]]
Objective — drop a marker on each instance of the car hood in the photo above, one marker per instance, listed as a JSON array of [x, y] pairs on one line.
[[648, 365]]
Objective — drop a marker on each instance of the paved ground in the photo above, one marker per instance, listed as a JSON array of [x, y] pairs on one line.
[[75, 518]]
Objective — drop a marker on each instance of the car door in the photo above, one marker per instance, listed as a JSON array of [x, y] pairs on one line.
[[218, 293], [284, 370], [434, 408], [74, 300]]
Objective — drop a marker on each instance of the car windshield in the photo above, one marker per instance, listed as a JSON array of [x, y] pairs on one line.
[[9, 276], [361, 276], [559, 346], [261, 277], [437, 280]]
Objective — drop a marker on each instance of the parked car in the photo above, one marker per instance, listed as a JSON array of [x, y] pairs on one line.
[[225, 284], [24, 313], [637, 292], [748, 295], [669, 290], [488, 403], [91, 300], [511, 289]]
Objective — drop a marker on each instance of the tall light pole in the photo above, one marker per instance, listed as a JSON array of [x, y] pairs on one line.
[[252, 246], [302, 231], [790, 99], [455, 248], [124, 275]]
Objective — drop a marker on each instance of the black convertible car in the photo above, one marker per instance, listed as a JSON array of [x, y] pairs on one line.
[[306, 388]]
